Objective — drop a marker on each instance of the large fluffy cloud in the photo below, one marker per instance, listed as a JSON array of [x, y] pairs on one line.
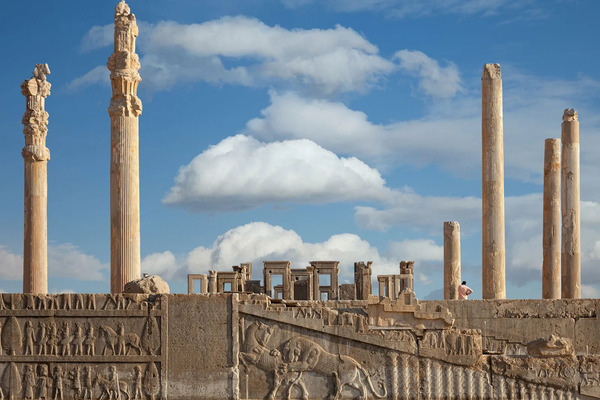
[[259, 241], [240, 173]]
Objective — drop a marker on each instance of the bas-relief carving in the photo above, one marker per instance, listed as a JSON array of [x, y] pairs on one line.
[[560, 372], [63, 347], [292, 362], [454, 346]]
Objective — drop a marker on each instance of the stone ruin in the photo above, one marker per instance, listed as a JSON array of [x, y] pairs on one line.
[[308, 337]]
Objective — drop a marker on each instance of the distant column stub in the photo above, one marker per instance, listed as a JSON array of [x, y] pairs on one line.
[[570, 197], [551, 221], [451, 259], [493, 248], [124, 109], [36, 156]]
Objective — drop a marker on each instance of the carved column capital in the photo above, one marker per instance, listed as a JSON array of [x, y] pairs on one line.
[[125, 105], [35, 119], [32, 153]]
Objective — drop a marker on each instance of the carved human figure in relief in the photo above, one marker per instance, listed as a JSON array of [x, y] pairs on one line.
[[43, 382], [91, 302], [78, 339], [114, 383], [29, 338], [53, 338], [137, 383], [90, 342], [29, 382], [88, 385], [75, 376], [66, 340], [42, 339], [121, 339], [58, 383]]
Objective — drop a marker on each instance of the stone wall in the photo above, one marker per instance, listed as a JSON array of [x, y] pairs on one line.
[[236, 346]]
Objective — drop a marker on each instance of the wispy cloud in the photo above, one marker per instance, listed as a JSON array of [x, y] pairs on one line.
[[98, 37], [528, 9], [434, 80], [99, 74], [65, 260], [245, 51]]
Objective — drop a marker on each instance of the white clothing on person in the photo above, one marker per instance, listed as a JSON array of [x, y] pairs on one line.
[[463, 292]]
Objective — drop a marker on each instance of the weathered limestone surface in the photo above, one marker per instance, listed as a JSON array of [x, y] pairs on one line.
[[493, 261], [239, 346], [124, 110], [451, 260], [147, 285], [571, 254], [36, 156], [551, 225]]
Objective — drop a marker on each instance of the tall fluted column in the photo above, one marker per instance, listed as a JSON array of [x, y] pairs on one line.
[[124, 109], [493, 184], [451, 260], [36, 156], [570, 257], [551, 239]]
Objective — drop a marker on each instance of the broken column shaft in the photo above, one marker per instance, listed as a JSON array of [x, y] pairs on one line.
[[570, 257], [124, 110], [493, 263], [451, 260], [36, 156], [551, 229]]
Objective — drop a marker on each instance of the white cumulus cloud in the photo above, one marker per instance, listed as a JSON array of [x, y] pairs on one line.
[[259, 241], [434, 80], [241, 172]]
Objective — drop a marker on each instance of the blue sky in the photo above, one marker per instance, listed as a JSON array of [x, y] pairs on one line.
[[301, 130]]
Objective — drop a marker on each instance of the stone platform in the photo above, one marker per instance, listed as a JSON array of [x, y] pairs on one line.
[[240, 346]]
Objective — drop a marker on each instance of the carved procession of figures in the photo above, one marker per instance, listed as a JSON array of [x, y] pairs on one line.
[[78, 301], [54, 381], [68, 337]]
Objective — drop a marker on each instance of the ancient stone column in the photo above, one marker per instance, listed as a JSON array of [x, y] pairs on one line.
[[451, 260], [551, 229], [570, 257], [124, 109], [36, 156], [493, 184]]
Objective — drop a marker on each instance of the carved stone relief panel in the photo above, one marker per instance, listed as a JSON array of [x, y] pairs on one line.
[[83, 346], [281, 361], [452, 345]]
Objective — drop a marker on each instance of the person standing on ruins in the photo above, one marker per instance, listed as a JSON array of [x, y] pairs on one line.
[[464, 291]]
